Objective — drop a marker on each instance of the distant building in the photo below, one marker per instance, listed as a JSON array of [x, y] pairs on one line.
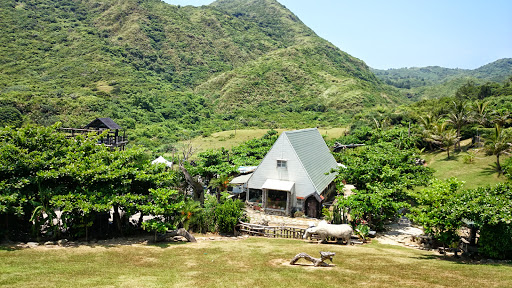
[[294, 175], [112, 139]]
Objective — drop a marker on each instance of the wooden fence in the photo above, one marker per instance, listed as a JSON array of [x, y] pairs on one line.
[[272, 231]]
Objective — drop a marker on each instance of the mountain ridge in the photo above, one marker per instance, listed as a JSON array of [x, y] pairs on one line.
[[169, 72]]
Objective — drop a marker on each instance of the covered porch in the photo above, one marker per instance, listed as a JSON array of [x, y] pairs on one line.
[[277, 196]]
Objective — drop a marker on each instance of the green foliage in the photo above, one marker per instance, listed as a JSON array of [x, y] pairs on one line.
[[507, 168], [228, 213], [435, 211], [498, 143], [382, 174], [496, 241], [10, 116], [469, 158], [206, 219], [42, 171], [168, 205], [362, 231], [169, 73], [328, 215], [443, 208]]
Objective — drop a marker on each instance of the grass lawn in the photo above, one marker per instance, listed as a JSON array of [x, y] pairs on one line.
[[254, 262], [228, 139], [480, 172]]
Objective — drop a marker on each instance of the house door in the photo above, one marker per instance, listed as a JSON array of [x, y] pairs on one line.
[[312, 207]]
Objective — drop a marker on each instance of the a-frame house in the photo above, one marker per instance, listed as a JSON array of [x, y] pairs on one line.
[[294, 174]]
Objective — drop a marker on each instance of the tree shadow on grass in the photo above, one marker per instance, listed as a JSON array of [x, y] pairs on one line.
[[164, 245], [490, 170], [459, 260], [450, 258]]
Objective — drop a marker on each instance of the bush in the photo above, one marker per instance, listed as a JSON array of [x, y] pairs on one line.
[[206, 220], [10, 116], [362, 231], [228, 214], [496, 241]]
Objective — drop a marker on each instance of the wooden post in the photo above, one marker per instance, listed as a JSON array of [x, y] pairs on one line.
[[264, 198]]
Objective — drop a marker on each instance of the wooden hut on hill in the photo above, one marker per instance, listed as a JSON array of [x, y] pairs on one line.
[[113, 139]]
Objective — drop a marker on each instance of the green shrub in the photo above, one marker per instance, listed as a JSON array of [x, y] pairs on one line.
[[206, 220], [496, 241], [228, 214], [10, 116], [469, 158], [362, 231]]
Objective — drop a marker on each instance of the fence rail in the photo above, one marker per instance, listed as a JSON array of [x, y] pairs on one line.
[[272, 231]]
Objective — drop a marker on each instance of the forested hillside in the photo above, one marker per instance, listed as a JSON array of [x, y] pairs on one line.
[[167, 72], [435, 82]]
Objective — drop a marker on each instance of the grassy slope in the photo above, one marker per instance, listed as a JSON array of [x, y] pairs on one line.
[[255, 262], [480, 172], [231, 138]]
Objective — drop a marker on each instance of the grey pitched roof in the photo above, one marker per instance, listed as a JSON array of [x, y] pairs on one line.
[[103, 123], [314, 156]]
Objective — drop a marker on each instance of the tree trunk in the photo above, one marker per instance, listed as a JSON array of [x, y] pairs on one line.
[[117, 219], [141, 219], [458, 137], [498, 166], [196, 186]]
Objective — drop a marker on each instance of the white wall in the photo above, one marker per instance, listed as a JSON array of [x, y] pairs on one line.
[[294, 172]]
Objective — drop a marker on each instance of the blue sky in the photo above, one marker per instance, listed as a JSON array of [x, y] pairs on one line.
[[404, 33]]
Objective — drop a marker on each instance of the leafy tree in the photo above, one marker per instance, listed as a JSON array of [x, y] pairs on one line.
[[501, 117], [428, 127], [166, 206], [468, 91], [41, 171], [382, 174], [435, 211], [481, 113]]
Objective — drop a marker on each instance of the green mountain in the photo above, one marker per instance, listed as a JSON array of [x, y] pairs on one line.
[[434, 81], [169, 72]]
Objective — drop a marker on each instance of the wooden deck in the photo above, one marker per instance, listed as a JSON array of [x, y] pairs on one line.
[[111, 139]]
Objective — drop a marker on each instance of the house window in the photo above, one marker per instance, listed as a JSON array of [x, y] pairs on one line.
[[281, 163], [255, 195]]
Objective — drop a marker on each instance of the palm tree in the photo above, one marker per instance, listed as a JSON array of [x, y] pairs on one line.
[[459, 116], [501, 117], [427, 124], [498, 143], [480, 113], [443, 137]]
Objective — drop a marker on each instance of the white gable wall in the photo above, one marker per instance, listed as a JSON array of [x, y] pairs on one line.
[[294, 171]]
